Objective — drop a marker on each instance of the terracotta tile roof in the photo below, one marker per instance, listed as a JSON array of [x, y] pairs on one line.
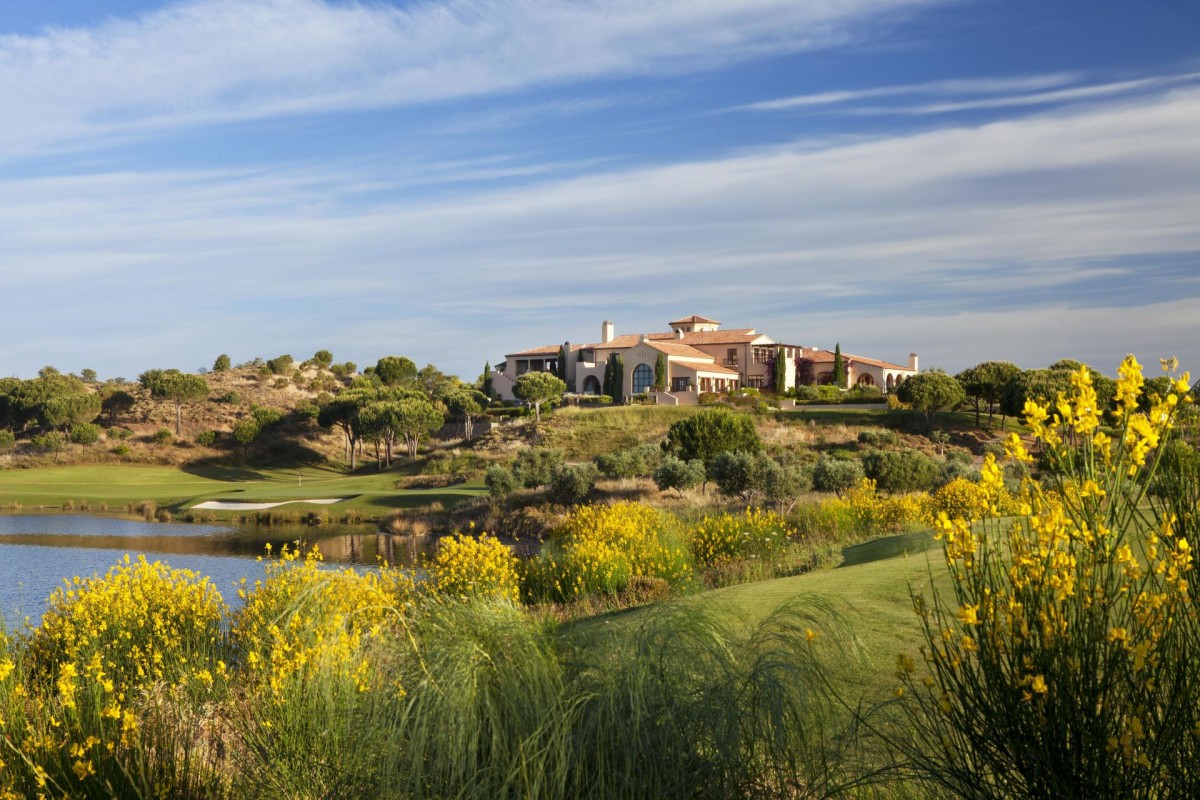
[[827, 357], [731, 336], [693, 318], [676, 349], [550, 349], [627, 340]]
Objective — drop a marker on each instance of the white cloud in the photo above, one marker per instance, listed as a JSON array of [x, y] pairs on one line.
[[209, 61], [974, 93], [952, 87], [812, 242]]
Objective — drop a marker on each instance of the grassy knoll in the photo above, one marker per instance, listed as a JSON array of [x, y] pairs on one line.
[[872, 598], [372, 493]]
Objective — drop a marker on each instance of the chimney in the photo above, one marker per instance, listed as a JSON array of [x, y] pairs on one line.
[[567, 368], [679, 333], [645, 338], [606, 332], [912, 361]]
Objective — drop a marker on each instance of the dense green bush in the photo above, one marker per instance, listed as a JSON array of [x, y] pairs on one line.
[[500, 481], [878, 438], [85, 433], [902, 470], [535, 467], [8, 440], [836, 474], [675, 473], [206, 438], [162, 436], [635, 462], [571, 484], [710, 433], [118, 433], [280, 365]]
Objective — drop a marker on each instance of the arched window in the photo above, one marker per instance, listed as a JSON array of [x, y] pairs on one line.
[[891, 381], [591, 385], [643, 378], [866, 380]]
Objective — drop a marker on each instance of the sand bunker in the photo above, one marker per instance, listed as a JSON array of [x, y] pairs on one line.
[[225, 505]]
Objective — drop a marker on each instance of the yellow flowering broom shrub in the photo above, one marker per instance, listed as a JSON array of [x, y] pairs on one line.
[[111, 652], [753, 534], [1066, 659], [469, 567], [862, 512], [598, 549], [306, 621]]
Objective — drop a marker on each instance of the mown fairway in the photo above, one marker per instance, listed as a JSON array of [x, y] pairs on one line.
[[871, 599], [179, 488]]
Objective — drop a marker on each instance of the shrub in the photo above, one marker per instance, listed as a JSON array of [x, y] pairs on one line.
[[280, 365], [501, 481], [305, 625], [535, 467], [632, 463], [50, 440], [280, 383], [470, 567], [8, 440], [85, 433], [139, 624], [120, 450], [231, 397], [118, 433], [755, 533], [709, 433], [738, 474], [1070, 631], [206, 438], [675, 473], [571, 484], [835, 474], [902, 471], [878, 438], [162, 436], [598, 549]]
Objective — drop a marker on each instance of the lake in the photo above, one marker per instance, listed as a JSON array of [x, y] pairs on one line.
[[39, 551]]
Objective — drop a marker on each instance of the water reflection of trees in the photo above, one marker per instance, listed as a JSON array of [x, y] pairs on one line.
[[362, 544]]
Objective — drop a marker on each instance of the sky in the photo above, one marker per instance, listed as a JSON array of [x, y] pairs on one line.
[[453, 180]]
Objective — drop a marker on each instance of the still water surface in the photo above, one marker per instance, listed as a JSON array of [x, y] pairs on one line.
[[39, 551]]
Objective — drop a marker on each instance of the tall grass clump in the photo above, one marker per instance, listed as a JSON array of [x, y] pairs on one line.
[[1065, 660], [689, 705], [314, 717]]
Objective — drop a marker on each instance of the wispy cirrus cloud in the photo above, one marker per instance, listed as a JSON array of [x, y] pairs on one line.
[[1093, 207], [214, 61], [974, 94]]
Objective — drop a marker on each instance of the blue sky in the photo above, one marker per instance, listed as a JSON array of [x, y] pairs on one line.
[[456, 179]]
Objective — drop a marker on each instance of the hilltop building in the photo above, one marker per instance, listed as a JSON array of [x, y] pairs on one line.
[[700, 357]]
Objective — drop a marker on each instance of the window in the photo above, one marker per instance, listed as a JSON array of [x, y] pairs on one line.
[[591, 385], [731, 357], [681, 384], [866, 380], [643, 378], [756, 381], [764, 355]]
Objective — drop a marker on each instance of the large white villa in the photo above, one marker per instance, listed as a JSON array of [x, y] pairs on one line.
[[700, 357]]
